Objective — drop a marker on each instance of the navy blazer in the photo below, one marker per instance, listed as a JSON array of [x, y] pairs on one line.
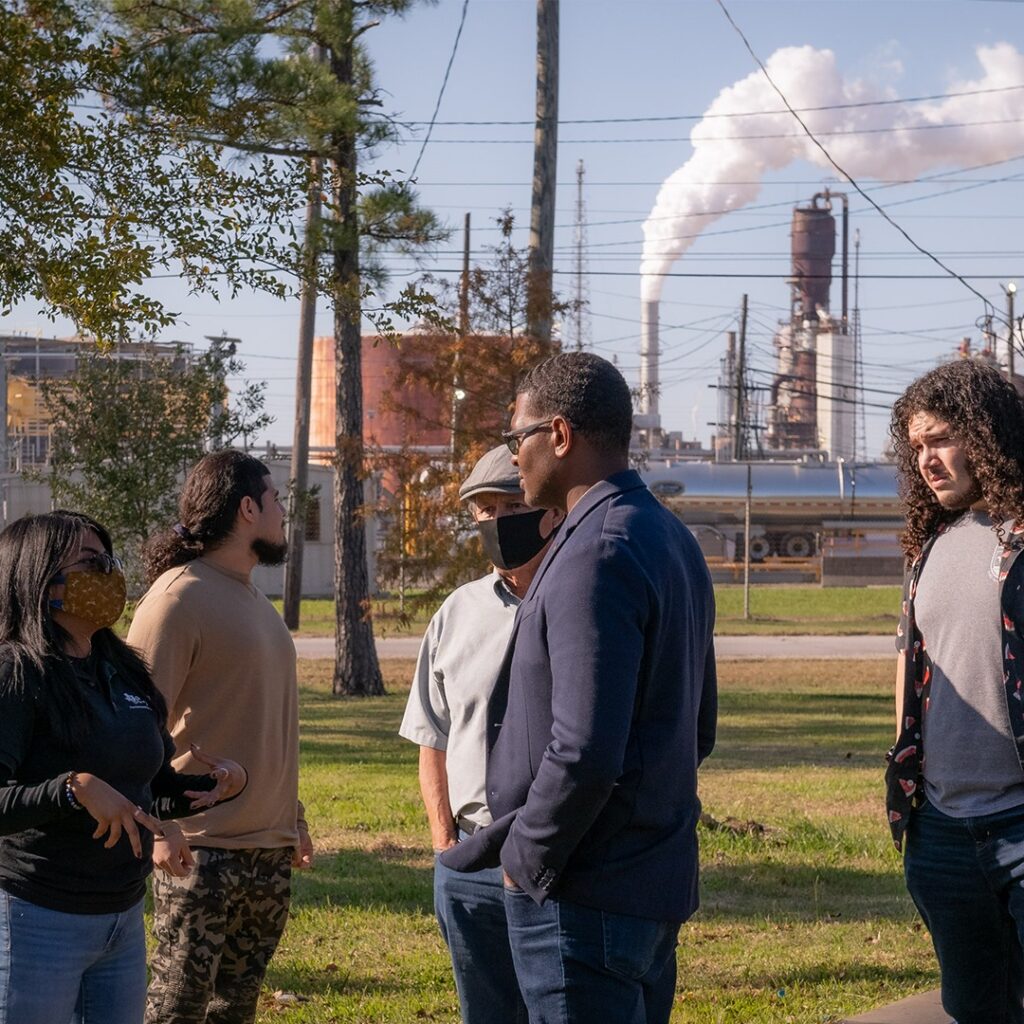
[[605, 705]]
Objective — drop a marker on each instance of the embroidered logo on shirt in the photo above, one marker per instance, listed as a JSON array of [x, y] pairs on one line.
[[133, 700]]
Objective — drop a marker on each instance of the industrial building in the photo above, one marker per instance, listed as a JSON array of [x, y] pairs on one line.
[[28, 360]]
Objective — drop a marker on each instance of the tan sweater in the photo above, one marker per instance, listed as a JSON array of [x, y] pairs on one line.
[[225, 662]]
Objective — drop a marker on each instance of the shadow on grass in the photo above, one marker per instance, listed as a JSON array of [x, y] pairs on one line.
[[773, 731], [756, 730], [884, 976], [338, 980], [786, 892], [347, 732], [365, 879], [383, 880]]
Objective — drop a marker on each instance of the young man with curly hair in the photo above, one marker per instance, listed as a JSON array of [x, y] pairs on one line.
[[955, 779]]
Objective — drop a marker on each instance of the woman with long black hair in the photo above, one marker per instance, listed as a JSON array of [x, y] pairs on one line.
[[85, 777]]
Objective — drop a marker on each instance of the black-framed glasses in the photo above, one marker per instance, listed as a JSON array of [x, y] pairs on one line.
[[514, 438]]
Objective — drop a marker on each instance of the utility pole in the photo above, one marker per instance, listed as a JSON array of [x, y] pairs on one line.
[[739, 445], [1011, 335], [457, 393], [860, 429], [299, 472], [746, 541], [540, 261], [579, 303]]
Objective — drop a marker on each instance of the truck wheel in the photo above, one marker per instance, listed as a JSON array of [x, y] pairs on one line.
[[760, 549], [797, 545]]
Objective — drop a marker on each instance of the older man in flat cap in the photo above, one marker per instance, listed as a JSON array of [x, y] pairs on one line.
[[447, 717]]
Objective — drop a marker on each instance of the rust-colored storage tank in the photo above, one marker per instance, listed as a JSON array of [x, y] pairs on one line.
[[393, 415], [814, 244]]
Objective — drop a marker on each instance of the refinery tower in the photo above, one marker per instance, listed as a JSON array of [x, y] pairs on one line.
[[810, 407]]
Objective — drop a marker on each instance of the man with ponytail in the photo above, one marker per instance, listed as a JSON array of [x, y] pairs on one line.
[[225, 663]]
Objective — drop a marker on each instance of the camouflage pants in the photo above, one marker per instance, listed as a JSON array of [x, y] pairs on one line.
[[216, 931]]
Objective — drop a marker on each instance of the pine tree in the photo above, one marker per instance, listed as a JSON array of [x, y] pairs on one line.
[[291, 79]]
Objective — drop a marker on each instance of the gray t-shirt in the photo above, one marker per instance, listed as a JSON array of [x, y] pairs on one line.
[[458, 665], [970, 760]]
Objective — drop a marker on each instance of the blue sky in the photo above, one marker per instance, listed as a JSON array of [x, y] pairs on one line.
[[650, 59]]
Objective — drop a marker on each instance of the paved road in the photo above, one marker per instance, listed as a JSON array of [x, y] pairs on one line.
[[727, 647]]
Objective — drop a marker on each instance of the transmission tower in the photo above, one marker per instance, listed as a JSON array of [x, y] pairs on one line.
[[578, 313]]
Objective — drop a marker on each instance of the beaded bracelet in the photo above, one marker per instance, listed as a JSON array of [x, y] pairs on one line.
[[69, 792]]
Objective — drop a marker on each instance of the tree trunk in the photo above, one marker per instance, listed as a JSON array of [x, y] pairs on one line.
[[356, 668]]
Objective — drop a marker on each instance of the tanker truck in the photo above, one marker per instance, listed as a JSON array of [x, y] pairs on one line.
[[793, 505]]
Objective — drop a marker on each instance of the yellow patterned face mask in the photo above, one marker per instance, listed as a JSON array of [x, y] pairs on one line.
[[95, 597]]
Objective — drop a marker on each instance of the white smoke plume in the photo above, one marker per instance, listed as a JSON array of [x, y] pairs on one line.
[[705, 188]]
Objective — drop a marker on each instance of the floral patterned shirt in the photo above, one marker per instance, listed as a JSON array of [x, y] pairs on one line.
[[903, 777]]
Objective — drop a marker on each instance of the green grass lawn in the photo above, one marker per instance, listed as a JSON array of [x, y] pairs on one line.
[[775, 609], [317, 618], [796, 609], [804, 916]]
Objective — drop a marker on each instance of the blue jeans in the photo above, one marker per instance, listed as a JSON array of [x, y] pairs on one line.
[[578, 965], [471, 912], [966, 877], [58, 968]]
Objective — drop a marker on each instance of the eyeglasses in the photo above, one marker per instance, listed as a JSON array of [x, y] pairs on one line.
[[514, 438], [98, 562]]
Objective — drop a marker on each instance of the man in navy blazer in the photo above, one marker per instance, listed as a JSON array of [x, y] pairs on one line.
[[605, 706]]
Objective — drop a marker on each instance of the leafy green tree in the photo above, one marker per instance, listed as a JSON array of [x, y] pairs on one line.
[[126, 429], [95, 200], [291, 78]]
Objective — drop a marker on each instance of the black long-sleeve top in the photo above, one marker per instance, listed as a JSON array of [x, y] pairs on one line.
[[47, 853]]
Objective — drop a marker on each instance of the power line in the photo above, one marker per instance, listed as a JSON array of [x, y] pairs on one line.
[[734, 114], [828, 156], [762, 136], [766, 206], [940, 177], [828, 383], [440, 95], [740, 275]]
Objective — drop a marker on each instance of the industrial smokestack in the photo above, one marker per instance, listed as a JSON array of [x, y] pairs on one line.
[[813, 238], [731, 154], [649, 417]]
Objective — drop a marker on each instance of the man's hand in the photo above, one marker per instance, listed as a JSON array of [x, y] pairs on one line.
[[509, 882], [302, 855], [444, 832], [230, 775], [445, 843], [171, 853]]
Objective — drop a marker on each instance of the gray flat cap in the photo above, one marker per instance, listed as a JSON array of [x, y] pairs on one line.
[[493, 472]]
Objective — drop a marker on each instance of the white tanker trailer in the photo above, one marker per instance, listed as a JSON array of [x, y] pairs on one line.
[[791, 503]]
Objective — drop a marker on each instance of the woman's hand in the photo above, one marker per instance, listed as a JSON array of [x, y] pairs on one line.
[[114, 814], [230, 775], [171, 853]]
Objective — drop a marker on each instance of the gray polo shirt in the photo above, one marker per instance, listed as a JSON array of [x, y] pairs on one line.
[[970, 759], [455, 675]]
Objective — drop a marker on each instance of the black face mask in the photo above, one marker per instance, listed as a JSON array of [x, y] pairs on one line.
[[511, 541]]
